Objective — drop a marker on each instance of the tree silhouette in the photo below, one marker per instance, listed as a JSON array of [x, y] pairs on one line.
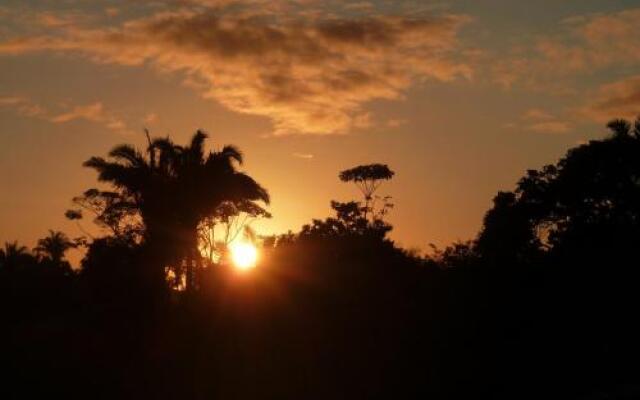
[[112, 210], [592, 194], [621, 128], [368, 179], [174, 188], [234, 218], [54, 246], [14, 255], [352, 218], [507, 235]]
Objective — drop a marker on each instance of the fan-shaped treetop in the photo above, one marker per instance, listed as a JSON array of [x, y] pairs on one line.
[[363, 173], [367, 177]]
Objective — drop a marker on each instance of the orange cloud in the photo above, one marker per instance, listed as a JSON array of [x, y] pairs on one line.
[[585, 44], [555, 127], [150, 118], [92, 112], [396, 122], [306, 75], [541, 121], [22, 106], [537, 114], [112, 11], [620, 99]]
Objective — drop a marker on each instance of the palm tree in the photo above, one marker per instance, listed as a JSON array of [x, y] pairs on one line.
[[13, 255], [54, 246], [175, 188]]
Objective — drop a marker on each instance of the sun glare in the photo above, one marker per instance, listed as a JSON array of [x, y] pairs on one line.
[[244, 255]]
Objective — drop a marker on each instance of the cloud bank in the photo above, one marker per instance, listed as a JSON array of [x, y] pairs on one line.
[[308, 75]]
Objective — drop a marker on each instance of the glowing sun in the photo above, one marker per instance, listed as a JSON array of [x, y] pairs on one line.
[[244, 255]]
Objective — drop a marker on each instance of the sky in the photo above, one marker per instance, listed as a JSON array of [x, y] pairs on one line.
[[459, 98]]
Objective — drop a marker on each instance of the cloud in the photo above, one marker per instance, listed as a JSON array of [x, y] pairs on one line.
[[91, 112], [307, 75], [541, 121], [112, 11], [51, 20], [583, 49], [150, 118], [619, 99], [555, 127], [10, 100], [33, 20], [304, 156], [396, 122], [360, 6], [537, 114], [22, 106], [582, 45]]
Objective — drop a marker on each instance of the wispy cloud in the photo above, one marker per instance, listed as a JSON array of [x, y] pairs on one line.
[[541, 121], [52, 20], [308, 75], [22, 106], [619, 99], [304, 156], [553, 127], [91, 112], [150, 118], [581, 45], [536, 114], [573, 59], [94, 112], [112, 11], [395, 122]]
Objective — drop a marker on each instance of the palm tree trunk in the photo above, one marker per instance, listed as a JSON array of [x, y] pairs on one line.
[[192, 260]]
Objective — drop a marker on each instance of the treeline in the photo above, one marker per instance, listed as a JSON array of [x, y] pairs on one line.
[[541, 304]]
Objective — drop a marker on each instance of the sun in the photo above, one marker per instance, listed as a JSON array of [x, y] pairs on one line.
[[244, 255]]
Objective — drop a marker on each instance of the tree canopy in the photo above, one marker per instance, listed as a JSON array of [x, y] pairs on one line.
[[172, 188], [367, 177]]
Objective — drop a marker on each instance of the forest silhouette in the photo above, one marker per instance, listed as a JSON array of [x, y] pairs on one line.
[[541, 304]]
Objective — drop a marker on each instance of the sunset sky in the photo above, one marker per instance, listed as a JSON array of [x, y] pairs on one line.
[[460, 98]]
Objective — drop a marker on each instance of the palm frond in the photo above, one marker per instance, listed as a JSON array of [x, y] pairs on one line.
[[125, 152], [196, 148], [96, 163], [167, 154], [232, 152], [14, 249], [243, 187]]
